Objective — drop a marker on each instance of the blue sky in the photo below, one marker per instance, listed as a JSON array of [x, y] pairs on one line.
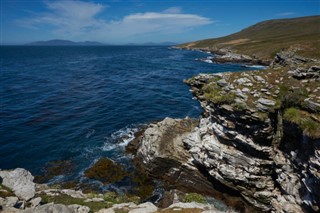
[[139, 21]]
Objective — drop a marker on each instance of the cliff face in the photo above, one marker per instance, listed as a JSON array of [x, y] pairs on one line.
[[252, 144], [259, 136]]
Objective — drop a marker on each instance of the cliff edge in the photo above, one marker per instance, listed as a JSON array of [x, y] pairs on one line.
[[258, 138], [259, 135]]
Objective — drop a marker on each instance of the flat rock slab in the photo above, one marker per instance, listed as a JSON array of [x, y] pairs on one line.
[[50, 207], [131, 208], [266, 102], [20, 181]]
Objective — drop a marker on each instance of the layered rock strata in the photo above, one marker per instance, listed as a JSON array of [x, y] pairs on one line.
[[259, 136], [162, 154]]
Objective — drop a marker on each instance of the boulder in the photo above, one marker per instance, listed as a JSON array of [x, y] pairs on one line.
[[8, 201], [311, 105], [50, 207], [20, 181], [192, 205], [79, 209], [222, 83], [266, 102], [35, 202], [145, 208], [97, 199], [124, 207]]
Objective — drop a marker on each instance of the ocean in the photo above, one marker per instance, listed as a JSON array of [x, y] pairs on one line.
[[81, 103]]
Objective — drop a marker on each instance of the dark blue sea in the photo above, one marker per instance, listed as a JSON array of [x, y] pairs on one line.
[[82, 103]]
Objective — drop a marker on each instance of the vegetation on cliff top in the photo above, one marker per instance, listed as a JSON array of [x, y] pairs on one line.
[[107, 200], [309, 123], [263, 40], [268, 91]]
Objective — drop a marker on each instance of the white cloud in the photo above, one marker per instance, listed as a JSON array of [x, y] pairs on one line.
[[78, 20], [173, 10], [285, 14], [68, 17]]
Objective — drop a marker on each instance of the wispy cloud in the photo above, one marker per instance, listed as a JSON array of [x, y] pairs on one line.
[[78, 19], [72, 17], [285, 14]]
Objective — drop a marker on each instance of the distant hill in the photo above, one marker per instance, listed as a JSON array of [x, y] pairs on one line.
[[266, 38], [58, 42]]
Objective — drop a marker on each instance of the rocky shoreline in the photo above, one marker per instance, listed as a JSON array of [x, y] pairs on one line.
[[18, 193], [256, 148], [227, 56], [258, 138]]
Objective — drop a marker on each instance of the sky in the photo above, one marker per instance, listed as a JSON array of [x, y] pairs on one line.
[[139, 21]]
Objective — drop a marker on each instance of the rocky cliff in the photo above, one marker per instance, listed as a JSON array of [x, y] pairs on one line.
[[258, 138]]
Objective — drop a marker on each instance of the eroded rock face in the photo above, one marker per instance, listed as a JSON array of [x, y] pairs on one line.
[[242, 142], [234, 159], [274, 166], [162, 155], [20, 181]]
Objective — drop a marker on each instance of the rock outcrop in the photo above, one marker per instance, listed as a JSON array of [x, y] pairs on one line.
[[45, 199], [162, 154], [20, 181], [259, 136], [227, 56]]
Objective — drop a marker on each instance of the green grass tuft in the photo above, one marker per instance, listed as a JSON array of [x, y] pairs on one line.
[[68, 200], [304, 120], [194, 197]]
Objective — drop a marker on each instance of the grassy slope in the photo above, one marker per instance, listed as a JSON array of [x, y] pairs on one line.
[[266, 38]]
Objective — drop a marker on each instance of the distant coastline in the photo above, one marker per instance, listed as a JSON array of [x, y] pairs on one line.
[[60, 42]]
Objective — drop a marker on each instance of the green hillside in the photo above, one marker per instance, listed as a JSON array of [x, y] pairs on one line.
[[266, 38]]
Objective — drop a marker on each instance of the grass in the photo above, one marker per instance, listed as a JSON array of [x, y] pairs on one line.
[[304, 120], [263, 40], [311, 128], [293, 98], [68, 200], [115, 198], [194, 197], [110, 198], [239, 106], [212, 92], [293, 115]]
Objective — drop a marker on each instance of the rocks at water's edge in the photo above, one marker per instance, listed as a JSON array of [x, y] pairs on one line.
[[20, 181], [251, 139], [15, 199], [227, 56]]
